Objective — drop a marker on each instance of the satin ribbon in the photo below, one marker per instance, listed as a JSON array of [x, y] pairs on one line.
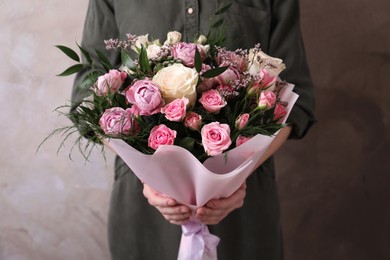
[[197, 243]]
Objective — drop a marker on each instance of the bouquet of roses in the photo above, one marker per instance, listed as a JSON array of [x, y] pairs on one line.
[[201, 97], [211, 111]]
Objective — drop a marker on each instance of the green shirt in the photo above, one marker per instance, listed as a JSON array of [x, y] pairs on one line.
[[138, 231]]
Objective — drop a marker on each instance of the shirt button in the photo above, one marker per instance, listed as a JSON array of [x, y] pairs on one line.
[[190, 10]]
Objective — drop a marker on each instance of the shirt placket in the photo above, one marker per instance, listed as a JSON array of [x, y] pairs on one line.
[[191, 9]]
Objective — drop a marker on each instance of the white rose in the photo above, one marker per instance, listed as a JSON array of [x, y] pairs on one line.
[[260, 60], [153, 50], [177, 81], [173, 37], [142, 40], [205, 48], [202, 39]]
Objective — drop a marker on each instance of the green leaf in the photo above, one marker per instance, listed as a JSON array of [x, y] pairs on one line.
[[126, 60], [69, 52], [144, 61], [198, 61], [89, 80], [187, 143], [103, 60], [223, 9], [71, 70], [214, 72], [86, 54], [200, 80], [217, 23]]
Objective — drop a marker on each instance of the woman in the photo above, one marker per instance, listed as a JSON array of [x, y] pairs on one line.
[[248, 222]]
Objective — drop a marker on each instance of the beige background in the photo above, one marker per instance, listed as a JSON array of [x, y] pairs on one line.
[[333, 185], [50, 207]]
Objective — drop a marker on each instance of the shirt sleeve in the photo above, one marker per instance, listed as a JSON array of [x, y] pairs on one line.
[[286, 42]]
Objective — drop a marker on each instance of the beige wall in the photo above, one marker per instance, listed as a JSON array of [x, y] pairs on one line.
[[50, 207], [333, 184]]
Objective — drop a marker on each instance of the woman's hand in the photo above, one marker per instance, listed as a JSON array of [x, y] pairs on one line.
[[217, 209], [172, 211]]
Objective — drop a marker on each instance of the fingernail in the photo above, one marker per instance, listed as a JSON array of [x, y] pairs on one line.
[[183, 210]]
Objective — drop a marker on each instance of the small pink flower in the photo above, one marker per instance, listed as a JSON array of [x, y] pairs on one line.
[[242, 120], [193, 121], [279, 112], [116, 121], [266, 100], [242, 139], [186, 53], [176, 110], [110, 82], [215, 138], [161, 135], [146, 95], [227, 91], [212, 101]]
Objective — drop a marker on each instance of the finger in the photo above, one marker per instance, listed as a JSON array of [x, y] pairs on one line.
[[155, 199], [209, 212], [236, 200], [177, 210], [210, 219], [176, 217], [179, 222]]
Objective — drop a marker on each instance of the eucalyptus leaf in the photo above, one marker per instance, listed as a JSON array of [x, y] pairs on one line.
[[217, 23], [214, 72], [126, 60], [69, 52], [89, 79], [144, 61], [198, 61], [199, 81], [103, 60], [187, 143], [71, 70], [223, 9], [86, 54]]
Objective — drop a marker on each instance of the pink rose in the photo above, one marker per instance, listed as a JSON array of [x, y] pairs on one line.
[[215, 138], [116, 121], [110, 82], [186, 53], [279, 112], [230, 57], [266, 100], [193, 121], [212, 101], [265, 82], [161, 135], [146, 96], [176, 110], [229, 75], [266, 79], [134, 110], [242, 139], [207, 83], [242, 120]]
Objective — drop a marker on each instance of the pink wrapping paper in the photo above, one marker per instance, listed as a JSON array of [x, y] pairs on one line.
[[175, 172]]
